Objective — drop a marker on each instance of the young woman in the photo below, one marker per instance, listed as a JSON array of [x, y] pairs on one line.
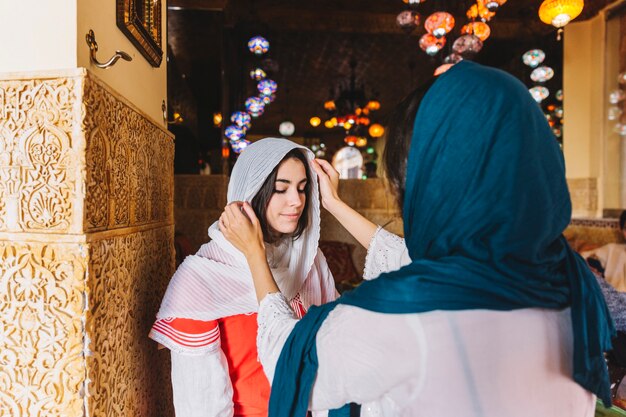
[[493, 314], [208, 314]]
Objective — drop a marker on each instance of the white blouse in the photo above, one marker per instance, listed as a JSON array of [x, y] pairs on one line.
[[441, 363]]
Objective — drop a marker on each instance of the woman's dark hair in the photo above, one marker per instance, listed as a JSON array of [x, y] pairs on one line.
[[398, 140], [262, 198], [622, 220]]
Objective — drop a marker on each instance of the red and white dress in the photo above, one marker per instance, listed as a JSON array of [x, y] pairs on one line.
[[208, 320]]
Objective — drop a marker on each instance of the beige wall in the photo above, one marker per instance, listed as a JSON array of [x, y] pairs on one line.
[[49, 35], [32, 37], [139, 82], [593, 152]]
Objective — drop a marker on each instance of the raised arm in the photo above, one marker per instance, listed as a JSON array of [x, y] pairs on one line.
[[245, 233], [357, 225]]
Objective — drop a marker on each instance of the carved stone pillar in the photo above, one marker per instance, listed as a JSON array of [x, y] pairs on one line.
[[86, 249]]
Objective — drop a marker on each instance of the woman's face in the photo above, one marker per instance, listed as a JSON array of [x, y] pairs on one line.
[[288, 199]]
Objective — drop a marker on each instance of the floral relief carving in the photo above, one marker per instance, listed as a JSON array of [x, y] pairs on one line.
[[121, 185], [41, 332], [74, 317], [127, 280], [45, 194], [131, 168], [96, 207], [36, 124]]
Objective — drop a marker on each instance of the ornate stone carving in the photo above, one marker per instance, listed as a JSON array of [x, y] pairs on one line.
[[41, 331], [128, 277], [77, 160], [129, 163], [38, 159]]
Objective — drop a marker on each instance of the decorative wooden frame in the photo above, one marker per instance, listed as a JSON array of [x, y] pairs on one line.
[[140, 21]]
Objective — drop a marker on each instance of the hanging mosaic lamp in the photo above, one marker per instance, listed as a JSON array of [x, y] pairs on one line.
[[376, 130], [350, 140], [233, 133], [542, 74], [315, 121], [467, 44], [286, 128], [373, 105], [558, 112], [454, 58], [408, 20], [621, 78], [479, 11], [479, 29], [267, 99], [559, 13], [255, 106], [557, 132], [439, 24], [258, 74], [431, 45], [267, 87], [559, 95], [493, 5], [533, 57], [442, 68], [240, 145], [620, 129], [258, 45], [614, 113], [539, 93], [616, 96], [242, 120]]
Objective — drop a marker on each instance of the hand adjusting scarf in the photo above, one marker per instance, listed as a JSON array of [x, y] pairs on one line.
[[216, 282], [485, 206]]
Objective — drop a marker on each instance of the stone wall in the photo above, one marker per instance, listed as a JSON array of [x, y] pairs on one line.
[[86, 249], [584, 195]]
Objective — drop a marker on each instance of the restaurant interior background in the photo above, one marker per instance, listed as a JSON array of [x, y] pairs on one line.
[[119, 122]]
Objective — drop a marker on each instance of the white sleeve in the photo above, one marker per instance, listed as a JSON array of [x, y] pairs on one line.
[[276, 320], [386, 252], [201, 385]]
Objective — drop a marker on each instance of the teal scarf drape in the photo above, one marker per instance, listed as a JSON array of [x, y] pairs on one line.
[[485, 206]]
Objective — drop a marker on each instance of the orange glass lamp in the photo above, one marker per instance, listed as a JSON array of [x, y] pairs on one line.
[[479, 11], [480, 29], [330, 105], [439, 24], [315, 121], [376, 130], [559, 13], [373, 105]]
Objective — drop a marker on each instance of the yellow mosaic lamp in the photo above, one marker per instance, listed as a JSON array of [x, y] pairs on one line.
[[559, 13]]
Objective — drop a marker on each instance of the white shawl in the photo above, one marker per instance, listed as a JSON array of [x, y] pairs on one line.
[[216, 281]]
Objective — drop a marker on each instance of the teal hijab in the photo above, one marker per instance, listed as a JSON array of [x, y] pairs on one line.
[[485, 206]]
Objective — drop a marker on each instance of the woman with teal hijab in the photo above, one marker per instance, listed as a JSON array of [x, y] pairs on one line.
[[495, 315]]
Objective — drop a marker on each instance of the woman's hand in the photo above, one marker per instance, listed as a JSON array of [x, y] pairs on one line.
[[329, 183], [241, 227], [358, 226]]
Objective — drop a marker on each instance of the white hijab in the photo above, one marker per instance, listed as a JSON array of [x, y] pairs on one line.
[[216, 281]]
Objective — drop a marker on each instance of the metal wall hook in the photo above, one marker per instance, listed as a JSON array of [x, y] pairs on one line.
[[93, 48]]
